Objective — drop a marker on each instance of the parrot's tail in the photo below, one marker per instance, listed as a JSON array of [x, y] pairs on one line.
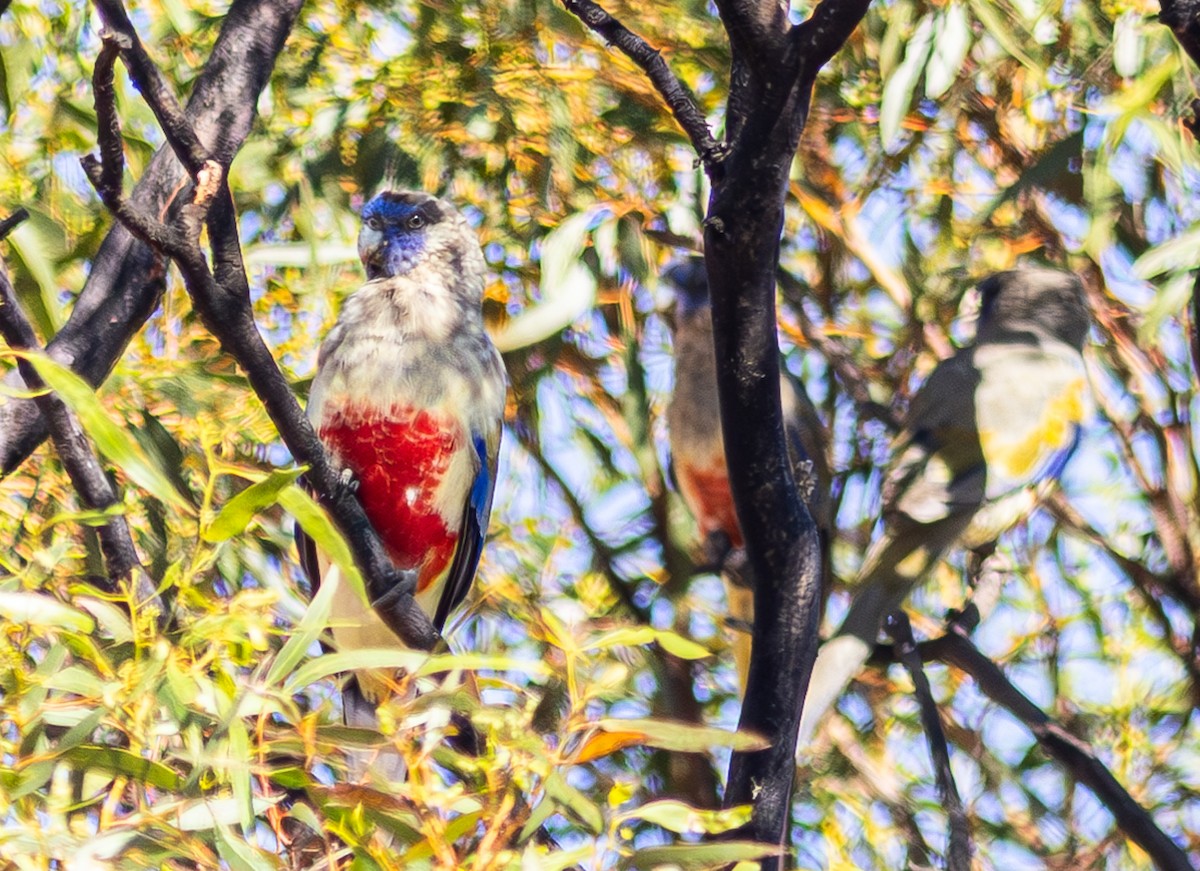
[[385, 765], [843, 656]]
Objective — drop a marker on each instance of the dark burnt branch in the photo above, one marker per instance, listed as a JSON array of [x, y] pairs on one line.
[[827, 30], [127, 276], [112, 154], [222, 299], [1074, 754], [958, 850], [1183, 17], [152, 86], [741, 244], [107, 172], [7, 225], [80, 461], [757, 30], [770, 91], [678, 98]]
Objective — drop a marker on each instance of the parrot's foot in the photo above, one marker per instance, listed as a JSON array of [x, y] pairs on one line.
[[721, 557], [348, 482]]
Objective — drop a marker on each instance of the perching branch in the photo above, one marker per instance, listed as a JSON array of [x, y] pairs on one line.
[[80, 461], [741, 244], [1074, 754], [678, 98], [958, 850], [127, 277], [770, 93], [768, 106], [222, 299]]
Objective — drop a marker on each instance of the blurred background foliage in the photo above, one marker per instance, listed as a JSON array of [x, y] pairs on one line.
[[947, 140]]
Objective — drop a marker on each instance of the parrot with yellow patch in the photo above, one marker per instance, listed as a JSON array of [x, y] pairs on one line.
[[991, 423]]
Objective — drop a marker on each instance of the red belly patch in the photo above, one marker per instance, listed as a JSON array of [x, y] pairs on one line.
[[707, 494], [399, 463]]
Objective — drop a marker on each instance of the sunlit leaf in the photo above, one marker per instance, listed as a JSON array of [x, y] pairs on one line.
[[334, 663], [121, 762], [665, 734], [114, 442], [567, 288], [316, 523], [305, 633], [236, 514], [899, 88], [204, 814], [574, 802], [683, 818], [633, 636], [1128, 52], [39, 609], [951, 42], [1179, 253], [240, 855], [699, 857]]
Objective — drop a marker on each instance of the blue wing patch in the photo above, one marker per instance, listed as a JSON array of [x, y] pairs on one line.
[[470, 535], [481, 490]]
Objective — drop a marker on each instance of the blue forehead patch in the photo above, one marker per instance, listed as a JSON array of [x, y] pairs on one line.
[[394, 207], [400, 246]]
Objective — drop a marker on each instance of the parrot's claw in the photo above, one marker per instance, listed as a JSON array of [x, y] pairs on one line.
[[348, 482]]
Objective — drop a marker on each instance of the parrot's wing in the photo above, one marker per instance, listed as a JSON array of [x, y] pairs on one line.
[[1031, 404], [473, 531], [938, 468]]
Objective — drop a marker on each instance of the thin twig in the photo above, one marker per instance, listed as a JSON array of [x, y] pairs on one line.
[[839, 358], [108, 123], [958, 850], [1074, 754], [678, 98], [153, 87], [107, 173]]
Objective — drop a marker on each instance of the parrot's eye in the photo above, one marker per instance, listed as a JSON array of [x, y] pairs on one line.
[[374, 223], [415, 222]]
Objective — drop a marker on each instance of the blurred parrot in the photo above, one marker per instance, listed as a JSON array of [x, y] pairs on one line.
[[698, 450], [989, 424], [409, 399]]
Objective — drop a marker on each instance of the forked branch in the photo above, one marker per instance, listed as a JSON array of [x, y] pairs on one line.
[[221, 297]]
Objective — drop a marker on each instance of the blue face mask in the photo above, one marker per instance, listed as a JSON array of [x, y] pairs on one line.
[[393, 235]]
